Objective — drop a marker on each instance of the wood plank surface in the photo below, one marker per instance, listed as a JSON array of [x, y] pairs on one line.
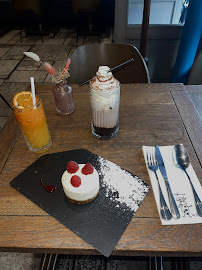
[[148, 116], [193, 124], [143, 237], [195, 93], [9, 134], [3, 120], [193, 88], [154, 87]]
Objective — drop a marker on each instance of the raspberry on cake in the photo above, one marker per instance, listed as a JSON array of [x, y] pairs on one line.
[[72, 167], [75, 181], [80, 182], [87, 169]]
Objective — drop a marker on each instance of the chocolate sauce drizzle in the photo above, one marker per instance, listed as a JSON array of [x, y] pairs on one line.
[[49, 189]]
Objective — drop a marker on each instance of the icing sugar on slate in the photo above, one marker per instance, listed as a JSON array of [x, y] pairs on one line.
[[121, 187]]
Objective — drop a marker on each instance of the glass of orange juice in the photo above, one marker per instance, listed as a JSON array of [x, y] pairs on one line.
[[32, 121]]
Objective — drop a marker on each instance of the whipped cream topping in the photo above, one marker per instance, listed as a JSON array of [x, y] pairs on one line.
[[104, 80], [87, 190]]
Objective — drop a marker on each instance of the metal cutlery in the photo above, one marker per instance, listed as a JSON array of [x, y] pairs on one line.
[[173, 206], [182, 160], [153, 166]]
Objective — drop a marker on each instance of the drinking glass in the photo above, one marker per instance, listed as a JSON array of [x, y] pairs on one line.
[[105, 112], [34, 127]]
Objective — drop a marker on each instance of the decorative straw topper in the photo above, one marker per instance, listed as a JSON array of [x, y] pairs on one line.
[[63, 73]]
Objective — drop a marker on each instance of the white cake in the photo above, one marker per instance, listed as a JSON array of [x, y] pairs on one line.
[[83, 188]]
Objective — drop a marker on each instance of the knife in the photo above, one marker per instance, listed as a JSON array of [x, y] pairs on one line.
[[173, 207]]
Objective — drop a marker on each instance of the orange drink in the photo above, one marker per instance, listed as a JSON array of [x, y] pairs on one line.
[[32, 121]]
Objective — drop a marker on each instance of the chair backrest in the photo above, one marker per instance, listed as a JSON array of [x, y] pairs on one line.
[[28, 5], [87, 5], [195, 76], [87, 58]]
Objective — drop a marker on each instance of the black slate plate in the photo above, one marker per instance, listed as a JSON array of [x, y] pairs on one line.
[[100, 223]]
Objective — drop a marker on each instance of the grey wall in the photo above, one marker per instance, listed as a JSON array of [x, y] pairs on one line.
[[162, 56]]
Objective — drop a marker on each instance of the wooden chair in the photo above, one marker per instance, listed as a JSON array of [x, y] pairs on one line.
[[87, 58], [195, 76]]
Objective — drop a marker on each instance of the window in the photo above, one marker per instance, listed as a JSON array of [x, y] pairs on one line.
[[166, 19], [161, 11]]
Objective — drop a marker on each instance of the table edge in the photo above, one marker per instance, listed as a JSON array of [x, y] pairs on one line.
[[8, 137], [193, 126]]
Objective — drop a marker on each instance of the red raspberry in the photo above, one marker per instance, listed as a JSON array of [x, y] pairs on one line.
[[75, 181], [87, 169], [72, 167]]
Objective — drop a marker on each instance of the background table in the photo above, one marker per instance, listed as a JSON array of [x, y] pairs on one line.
[[149, 114]]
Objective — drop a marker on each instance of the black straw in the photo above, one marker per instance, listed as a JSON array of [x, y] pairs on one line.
[[112, 69], [123, 64], [5, 101]]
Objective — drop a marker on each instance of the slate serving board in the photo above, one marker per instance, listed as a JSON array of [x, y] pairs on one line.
[[100, 223]]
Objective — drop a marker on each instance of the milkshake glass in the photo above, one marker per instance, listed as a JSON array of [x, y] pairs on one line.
[[104, 99]]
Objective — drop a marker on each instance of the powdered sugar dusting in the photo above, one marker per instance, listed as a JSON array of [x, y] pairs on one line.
[[123, 188]]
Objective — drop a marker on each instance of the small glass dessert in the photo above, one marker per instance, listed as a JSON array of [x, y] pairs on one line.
[[104, 99]]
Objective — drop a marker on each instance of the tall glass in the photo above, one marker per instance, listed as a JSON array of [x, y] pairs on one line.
[[105, 112], [34, 127]]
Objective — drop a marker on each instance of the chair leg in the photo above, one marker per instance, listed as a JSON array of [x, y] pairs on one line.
[[156, 263], [20, 35], [90, 23], [21, 32], [40, 31], [38, 19], [182, 264], [77, 37], [49, 262], [98, 37]]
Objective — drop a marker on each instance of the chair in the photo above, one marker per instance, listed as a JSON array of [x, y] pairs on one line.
[[89, 9], [29, 6], [87, 58], [195, 76]]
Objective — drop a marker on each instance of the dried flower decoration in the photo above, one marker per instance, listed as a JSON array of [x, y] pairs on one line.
[[49, 68], [63, 73], [34, 56], [68, 64]]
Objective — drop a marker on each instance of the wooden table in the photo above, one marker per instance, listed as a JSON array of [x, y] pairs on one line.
[[150, 114]]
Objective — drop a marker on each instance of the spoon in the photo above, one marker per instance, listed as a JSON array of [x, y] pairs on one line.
[[182, 160]]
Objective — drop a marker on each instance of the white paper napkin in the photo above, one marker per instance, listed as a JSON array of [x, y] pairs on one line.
[[180, 187]]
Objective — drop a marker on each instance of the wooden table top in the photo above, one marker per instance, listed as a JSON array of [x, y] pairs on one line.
[[150, 114]]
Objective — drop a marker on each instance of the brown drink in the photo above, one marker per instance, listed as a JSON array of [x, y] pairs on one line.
[[105, 98]]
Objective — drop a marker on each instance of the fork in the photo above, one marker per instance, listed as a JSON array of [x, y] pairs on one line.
[[153, 166]]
